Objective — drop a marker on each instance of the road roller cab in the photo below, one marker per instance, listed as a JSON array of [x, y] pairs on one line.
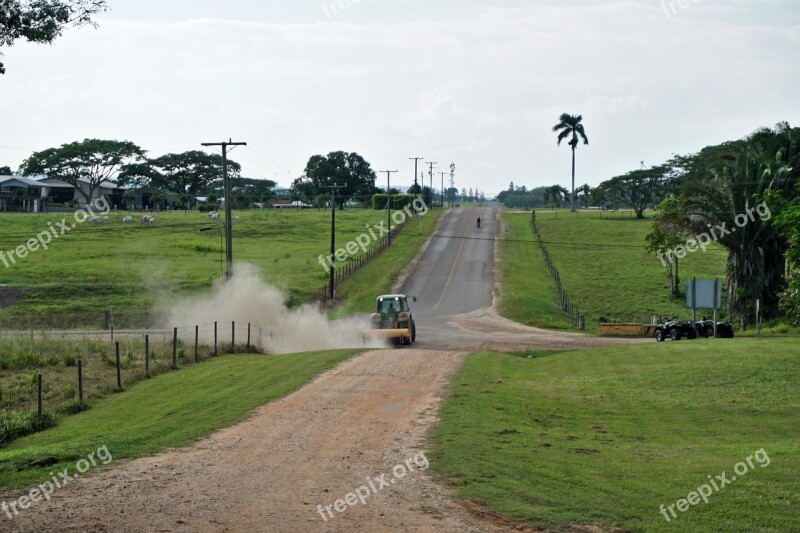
[[393, 319]]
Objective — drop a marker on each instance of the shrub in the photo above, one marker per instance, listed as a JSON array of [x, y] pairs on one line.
[[14, 424]]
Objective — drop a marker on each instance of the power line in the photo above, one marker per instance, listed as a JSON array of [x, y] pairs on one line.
[[228, 201]]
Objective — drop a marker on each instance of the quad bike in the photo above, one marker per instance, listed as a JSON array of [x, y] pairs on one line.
[[705, 328], [675, 330]]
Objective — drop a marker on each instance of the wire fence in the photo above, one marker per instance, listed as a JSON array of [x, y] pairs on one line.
[[345, 270], [569, 307], [45, 374]]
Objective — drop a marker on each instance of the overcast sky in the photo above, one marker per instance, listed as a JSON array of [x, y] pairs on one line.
[[473, 82]]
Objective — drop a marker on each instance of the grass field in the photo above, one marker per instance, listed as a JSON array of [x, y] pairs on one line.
[[527, 291], [604, 268], [607, 436], [128, 268], [171, 410]]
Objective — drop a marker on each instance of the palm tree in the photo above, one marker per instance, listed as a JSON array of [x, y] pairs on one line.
[[571, 126], [756, 249]]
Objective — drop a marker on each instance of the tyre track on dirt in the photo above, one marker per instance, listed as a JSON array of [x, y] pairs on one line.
[[270, 472]]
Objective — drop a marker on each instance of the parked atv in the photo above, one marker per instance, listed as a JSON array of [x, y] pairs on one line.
[[705, 328], [675, 330]]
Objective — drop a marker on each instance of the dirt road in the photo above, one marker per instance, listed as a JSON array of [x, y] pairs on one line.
[[352, 431], [270, 473]]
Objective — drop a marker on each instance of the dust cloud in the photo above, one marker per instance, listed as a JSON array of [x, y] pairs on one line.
[[275, 328]]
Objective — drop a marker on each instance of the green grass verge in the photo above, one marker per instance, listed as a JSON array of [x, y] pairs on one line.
[[527, 291], [607, 436], [171, 410], [605, 269], [380, 275]]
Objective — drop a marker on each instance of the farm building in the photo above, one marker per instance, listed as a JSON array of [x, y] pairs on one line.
[[18, 193]]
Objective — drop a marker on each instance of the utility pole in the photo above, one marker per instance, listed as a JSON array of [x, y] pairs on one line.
[[442, 195], [228, 200], [430, 173], [452, 182], [416, 162], [332, 280], [389, 201]]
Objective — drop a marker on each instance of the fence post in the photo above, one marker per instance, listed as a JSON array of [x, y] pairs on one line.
[[147, 355], [248, 337], [196, 341], [216, 352], [233, 336], [39, 394], [174, 348], [119, 370], [80, 382]]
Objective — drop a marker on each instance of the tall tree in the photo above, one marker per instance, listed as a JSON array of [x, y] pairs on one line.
[[639, 188], [665, 237], [42, 21], [5, 171], [756, 248], [349, 170], [571, 126], [85, 165]]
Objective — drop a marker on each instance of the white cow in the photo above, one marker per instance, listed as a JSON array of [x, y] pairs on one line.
[[213, 215], [148, 219], [127, 220]]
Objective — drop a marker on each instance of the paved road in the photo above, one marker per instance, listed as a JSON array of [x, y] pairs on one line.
[[454, 283]]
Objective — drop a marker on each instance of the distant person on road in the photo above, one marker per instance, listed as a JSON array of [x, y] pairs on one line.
[[479, 222]]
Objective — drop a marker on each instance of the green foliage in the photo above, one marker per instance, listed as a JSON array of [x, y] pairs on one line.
[[604, 437], [43, 21], [90, 162], [348, 170], [639, 189], [665, 236], [15, 424]]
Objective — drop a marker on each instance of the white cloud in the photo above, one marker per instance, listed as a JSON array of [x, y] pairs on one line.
[[456, 81]]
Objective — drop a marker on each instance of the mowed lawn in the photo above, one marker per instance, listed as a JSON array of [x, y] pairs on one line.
[[128, 268], [604, 268], [607, 436]]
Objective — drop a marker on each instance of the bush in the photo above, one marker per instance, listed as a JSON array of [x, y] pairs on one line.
[[14, 424]]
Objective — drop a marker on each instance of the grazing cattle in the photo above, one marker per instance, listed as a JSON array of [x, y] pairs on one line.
[[127, 220], [147, 219], [105, 219], [213, 215], [236, 219], [95, 220]]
